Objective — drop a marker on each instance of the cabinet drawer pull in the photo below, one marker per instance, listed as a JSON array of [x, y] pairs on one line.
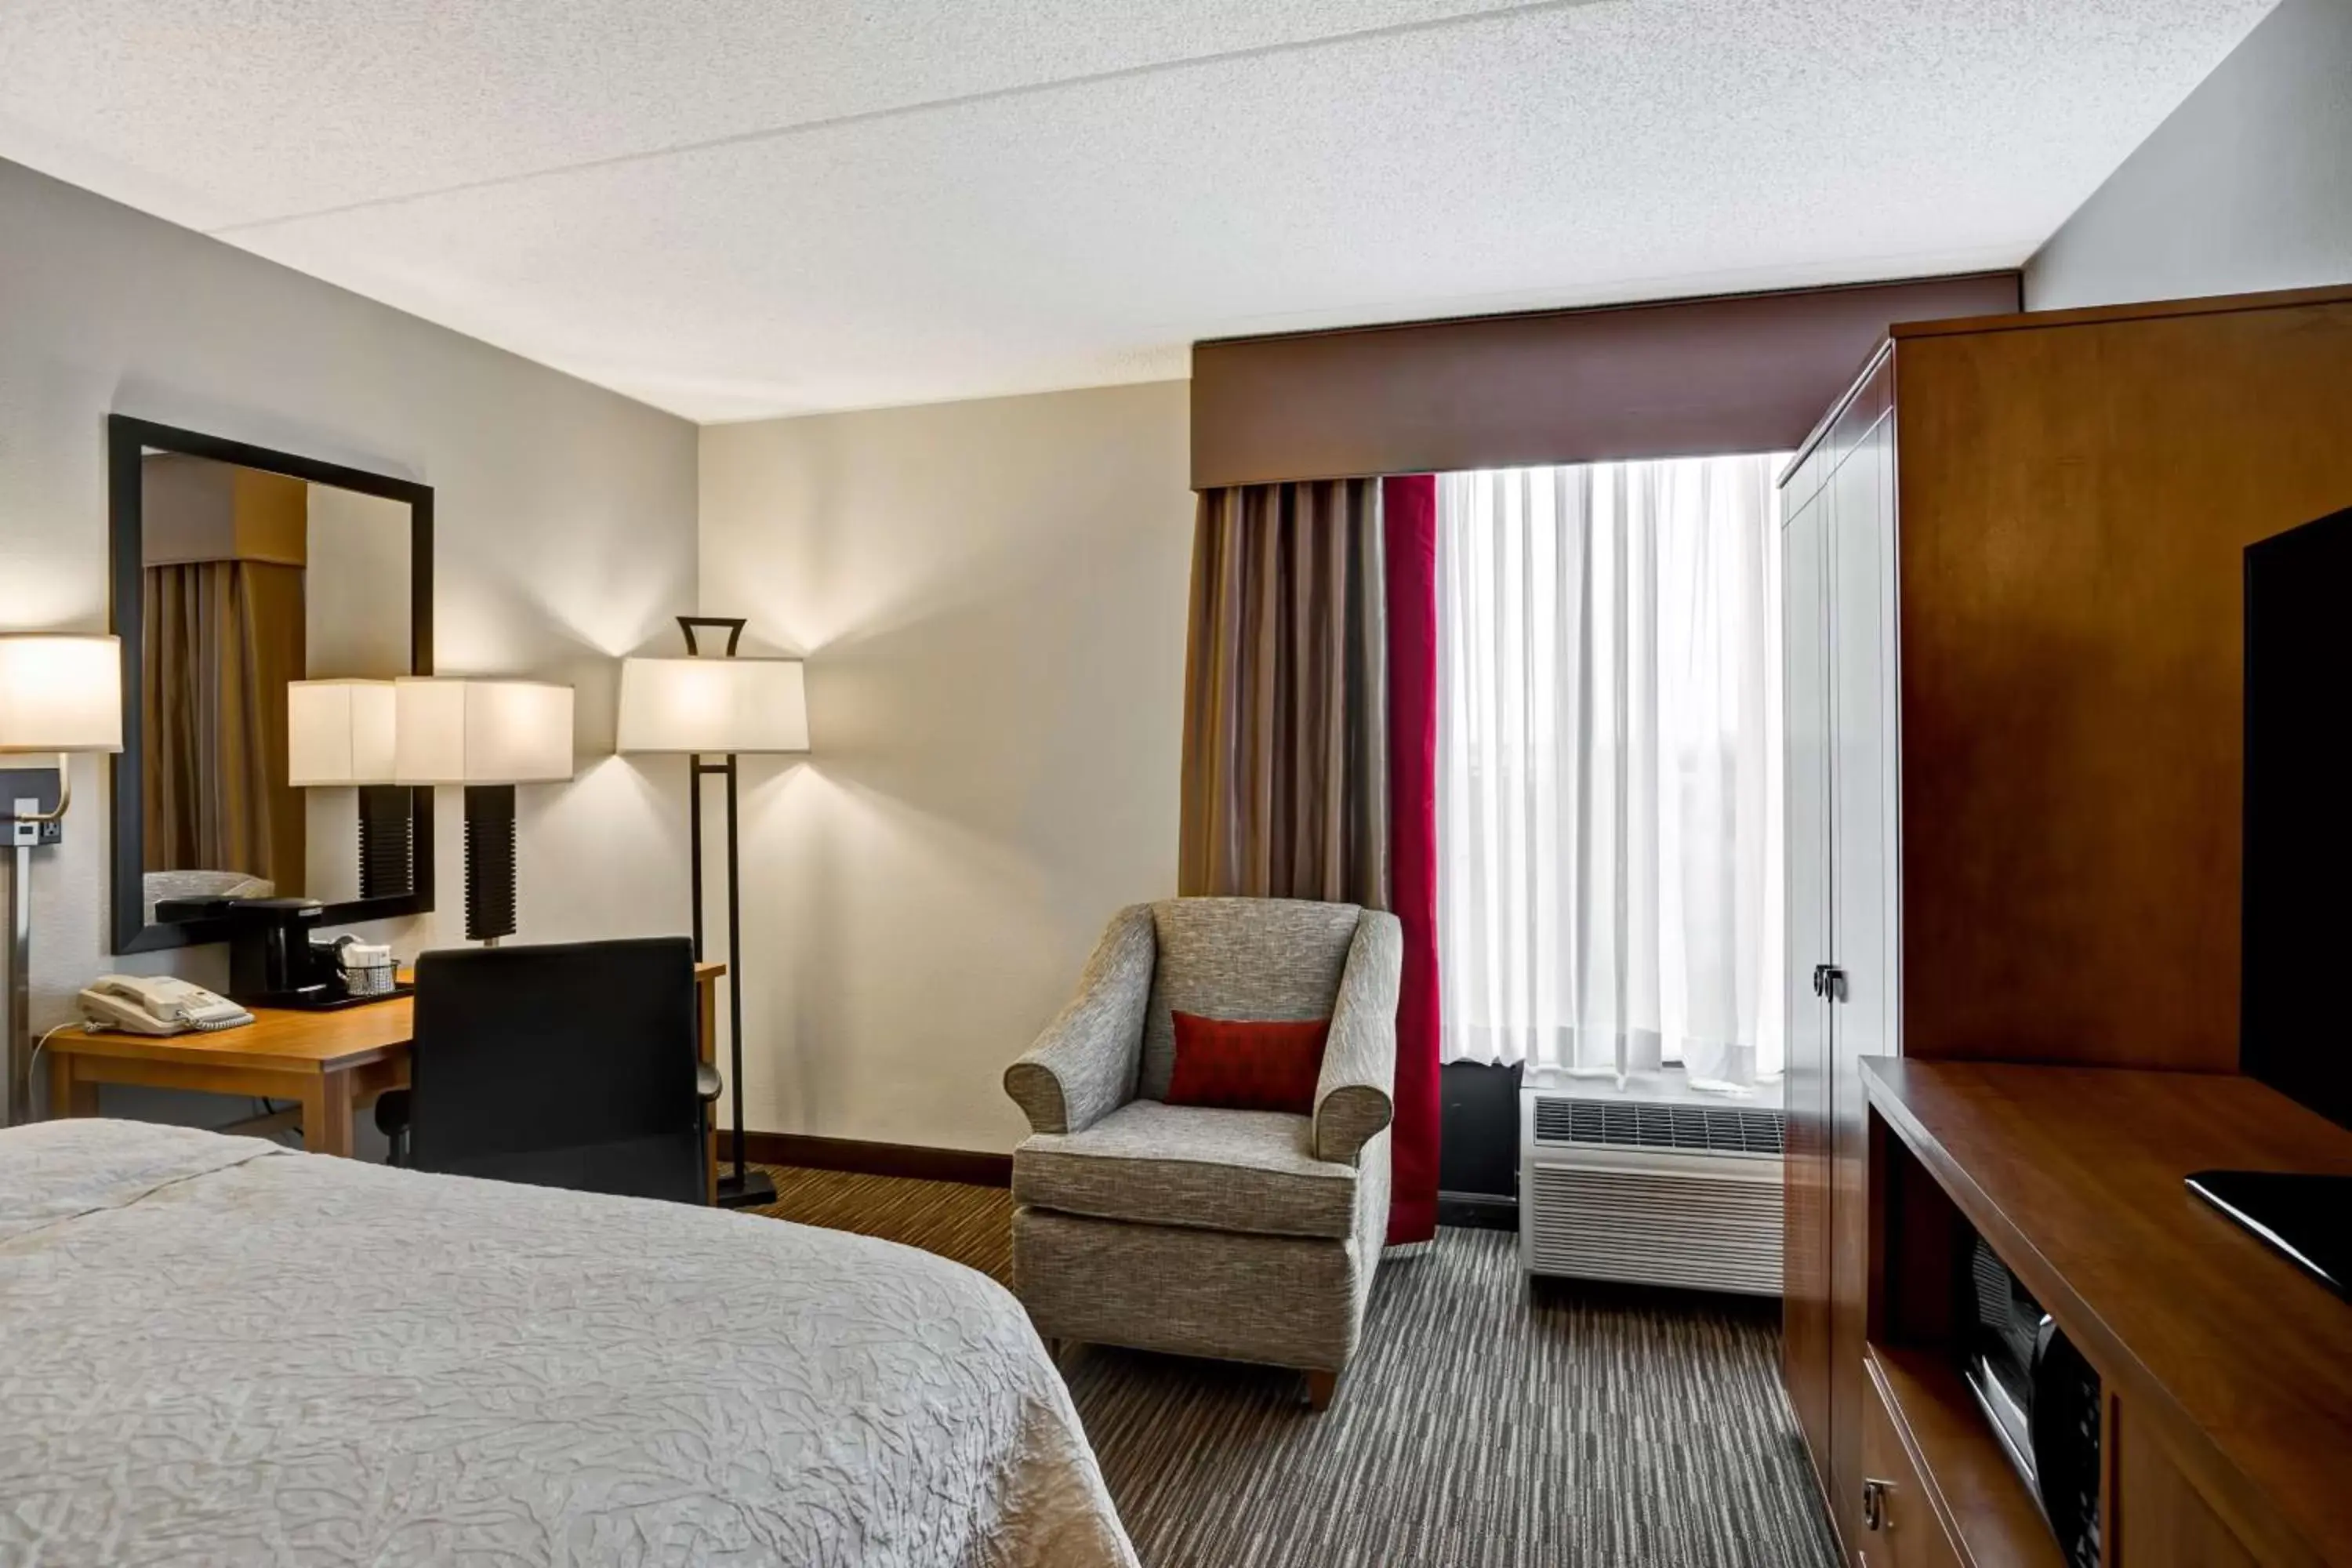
[[1873, 1503]]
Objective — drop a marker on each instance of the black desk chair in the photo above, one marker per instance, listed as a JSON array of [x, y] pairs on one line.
[[573, 1065]]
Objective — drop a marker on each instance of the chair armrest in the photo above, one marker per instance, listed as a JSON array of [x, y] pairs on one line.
[[1353, 1099], [1083, 1067]]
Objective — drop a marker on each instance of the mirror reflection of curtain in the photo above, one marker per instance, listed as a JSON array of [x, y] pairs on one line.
[[222, 641]]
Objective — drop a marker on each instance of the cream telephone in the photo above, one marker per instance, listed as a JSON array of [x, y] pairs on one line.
[[156, 1005]]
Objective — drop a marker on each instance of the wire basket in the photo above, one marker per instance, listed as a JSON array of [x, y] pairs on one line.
[[371, 980], [368, 970]]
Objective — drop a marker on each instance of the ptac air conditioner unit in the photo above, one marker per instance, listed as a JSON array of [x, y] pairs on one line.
[[1654, 1187]]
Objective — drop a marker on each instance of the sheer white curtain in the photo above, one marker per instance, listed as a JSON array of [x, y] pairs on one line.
[[1609, 768]]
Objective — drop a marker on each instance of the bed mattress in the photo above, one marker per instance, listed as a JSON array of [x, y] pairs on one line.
[[214, 1350]]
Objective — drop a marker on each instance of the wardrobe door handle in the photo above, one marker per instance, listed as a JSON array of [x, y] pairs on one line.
[[1874, 1504], [1820, 976], [1831, 982]]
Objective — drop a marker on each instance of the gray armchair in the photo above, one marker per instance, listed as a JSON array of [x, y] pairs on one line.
[[1243, 1235]]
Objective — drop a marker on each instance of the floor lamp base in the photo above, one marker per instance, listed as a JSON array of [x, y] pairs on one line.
[[756, 1190]]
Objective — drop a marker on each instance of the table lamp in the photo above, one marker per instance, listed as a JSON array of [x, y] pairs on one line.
[[341, 733], [58, 694], [489, 736], [720, 706]]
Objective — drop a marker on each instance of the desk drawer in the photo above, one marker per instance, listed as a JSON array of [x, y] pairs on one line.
[[1899, 1525]]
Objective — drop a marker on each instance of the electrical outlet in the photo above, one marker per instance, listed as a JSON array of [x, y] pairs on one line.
[[30, 789]]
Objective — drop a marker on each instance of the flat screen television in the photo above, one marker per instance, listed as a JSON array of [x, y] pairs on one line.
[[2295, 1027], [2295, 1007]]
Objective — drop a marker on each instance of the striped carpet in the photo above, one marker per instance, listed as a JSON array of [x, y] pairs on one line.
[[1487, 1423]]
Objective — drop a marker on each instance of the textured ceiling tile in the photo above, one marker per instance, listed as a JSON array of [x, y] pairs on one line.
[[253, 109], [1087, 233]]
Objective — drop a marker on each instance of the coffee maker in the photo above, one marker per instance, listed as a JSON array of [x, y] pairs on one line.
[[272, 960]]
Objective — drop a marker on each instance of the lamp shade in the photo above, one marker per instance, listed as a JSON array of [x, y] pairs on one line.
[[481, 732], [61, 693], [714, 705], [340, 732]]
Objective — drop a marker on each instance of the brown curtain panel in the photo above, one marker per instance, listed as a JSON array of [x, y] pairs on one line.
[[1285, 789], [222, 638]]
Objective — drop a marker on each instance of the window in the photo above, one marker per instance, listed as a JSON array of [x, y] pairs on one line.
[[1609, 767]]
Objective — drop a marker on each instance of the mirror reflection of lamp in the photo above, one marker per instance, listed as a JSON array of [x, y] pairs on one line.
[[339, 734], [489, 736], [59, 694]]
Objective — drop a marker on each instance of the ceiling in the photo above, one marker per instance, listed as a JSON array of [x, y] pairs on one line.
[[743, 208]]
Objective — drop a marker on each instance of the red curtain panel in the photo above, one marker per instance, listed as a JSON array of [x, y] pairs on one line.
[[1409, 512]]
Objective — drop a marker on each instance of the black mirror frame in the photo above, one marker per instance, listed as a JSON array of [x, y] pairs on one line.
[[127, 439]]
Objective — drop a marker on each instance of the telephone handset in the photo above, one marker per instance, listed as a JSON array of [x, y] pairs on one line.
[[156, 1005]]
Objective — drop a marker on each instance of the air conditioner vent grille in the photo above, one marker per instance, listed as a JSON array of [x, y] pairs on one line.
[[1631, 1124], [1652, 1228]]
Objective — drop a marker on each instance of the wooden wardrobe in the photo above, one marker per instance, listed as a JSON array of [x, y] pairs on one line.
[[2014, 707]]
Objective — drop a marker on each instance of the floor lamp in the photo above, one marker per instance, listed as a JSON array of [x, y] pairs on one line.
[[58, 694], [719, 706]]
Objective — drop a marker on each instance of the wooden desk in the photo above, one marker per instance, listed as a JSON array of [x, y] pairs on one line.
[[331, 1062]]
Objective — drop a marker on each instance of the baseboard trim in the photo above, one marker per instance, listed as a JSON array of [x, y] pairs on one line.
[[860, 1157], [1478, 1211]]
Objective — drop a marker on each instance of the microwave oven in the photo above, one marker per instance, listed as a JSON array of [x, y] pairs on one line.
[[2042, 1399]]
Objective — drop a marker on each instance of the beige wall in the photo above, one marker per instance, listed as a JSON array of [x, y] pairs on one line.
[[2246, 186], [992, 597], [565, 530]]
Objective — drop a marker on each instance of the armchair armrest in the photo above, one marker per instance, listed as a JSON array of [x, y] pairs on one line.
[[1083, 1067], [1353, 1099]]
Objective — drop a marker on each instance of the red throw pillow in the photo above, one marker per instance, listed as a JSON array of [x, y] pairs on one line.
[[1236, 1064]]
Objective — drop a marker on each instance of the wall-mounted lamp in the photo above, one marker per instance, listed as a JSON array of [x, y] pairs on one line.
[[58, 694], [719, 706], [489, 736]]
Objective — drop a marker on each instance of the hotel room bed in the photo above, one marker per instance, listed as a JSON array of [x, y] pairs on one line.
[[215, 1350]]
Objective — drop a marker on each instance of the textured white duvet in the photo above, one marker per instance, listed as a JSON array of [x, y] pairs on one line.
[[213, 1351]]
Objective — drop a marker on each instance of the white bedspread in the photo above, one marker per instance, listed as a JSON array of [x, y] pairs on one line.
[[215, 1351]]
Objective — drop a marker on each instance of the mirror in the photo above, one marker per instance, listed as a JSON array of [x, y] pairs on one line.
[[238, 571]]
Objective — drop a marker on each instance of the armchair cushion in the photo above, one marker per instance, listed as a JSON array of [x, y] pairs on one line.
[[1246, 1171], [1083, 1065], [1244, 1064], [1269, 959]]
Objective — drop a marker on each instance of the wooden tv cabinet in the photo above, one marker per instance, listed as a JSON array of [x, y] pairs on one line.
[[2226, 1372]]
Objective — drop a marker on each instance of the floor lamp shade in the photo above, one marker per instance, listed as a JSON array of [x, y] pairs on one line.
[[716, 706], [489, 735], [61, 693], [341, 732]]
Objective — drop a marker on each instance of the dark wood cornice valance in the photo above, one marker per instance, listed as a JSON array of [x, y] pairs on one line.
[[1742, 373]]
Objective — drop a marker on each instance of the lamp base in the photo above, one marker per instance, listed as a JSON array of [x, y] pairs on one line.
[[16, 1035], [489, 862], [386, 842], [756, 1190]]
